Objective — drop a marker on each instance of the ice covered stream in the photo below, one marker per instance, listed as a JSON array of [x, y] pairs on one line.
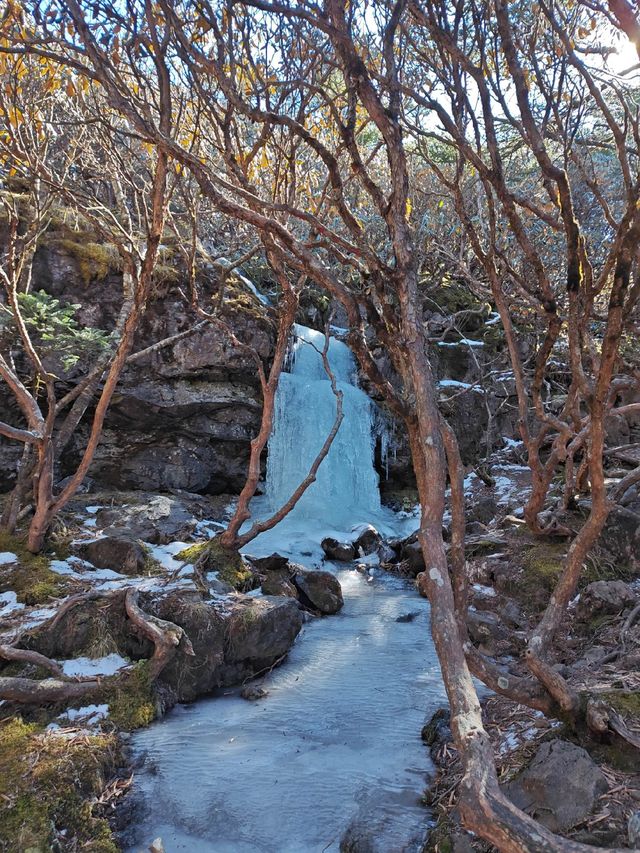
[[336, 739], [336, 742]]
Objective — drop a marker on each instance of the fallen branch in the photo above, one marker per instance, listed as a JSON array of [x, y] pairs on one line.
[[26, 656]]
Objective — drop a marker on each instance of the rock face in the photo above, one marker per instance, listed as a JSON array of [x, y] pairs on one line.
[[560, 787], [182, 417], [158, 520]]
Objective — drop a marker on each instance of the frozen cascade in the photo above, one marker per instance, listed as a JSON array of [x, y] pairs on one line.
[[305, 411]]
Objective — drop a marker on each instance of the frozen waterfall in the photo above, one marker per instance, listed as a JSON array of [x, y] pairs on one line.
[[305, 410]]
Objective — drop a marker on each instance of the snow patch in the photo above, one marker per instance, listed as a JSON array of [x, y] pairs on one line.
[[108, 665], [7, 557]]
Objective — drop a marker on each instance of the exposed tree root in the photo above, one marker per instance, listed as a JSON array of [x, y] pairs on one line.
[[26, 656], [165, 636], [30, 691]]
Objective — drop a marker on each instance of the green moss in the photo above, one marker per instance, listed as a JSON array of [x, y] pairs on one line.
[[47, 783], [623, 702], [226, 562], [31, 578], [542, 566], [95, 260], [131, 700]]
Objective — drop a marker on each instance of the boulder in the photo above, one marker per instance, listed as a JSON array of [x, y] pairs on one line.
[[259, 632], [558, 766], [368, 541], [160, 519], [319, 591], [604, 597], [120, 554], [621, 537], [344, 552]]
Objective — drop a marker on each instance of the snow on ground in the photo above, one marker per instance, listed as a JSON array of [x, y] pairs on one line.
[[88, 714], [165, 554], [108, 665], [462, 342], [9, 603], [7, 557], [463, 386]]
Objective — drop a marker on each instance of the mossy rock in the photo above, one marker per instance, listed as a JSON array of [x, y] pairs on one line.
[[227, 562], [30, 578], [95, 260], [48, 782]]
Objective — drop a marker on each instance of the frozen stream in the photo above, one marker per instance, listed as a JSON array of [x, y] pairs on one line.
[[337, 739], [337, 736]]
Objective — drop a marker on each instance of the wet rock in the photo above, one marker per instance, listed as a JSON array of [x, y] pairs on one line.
[[270, 563], [253, 692], [558, 766], [407, 617], [368, 541], [158, 520], [319, 590], [437, 732], [120, 554], [344, 552], [604, 597]]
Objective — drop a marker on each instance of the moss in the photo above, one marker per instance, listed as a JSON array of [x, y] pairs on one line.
[[152, 567], [626, 703], [31, 578], [542, 566], [226, 562], [48, 782], [131, 699], [95, 260]]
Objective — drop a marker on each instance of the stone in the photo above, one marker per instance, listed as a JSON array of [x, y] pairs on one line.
[[485, 628], [253, 692], [558, 766], [278, 582], [344, 552], [604, 597], [437, 730], [159, 519], [259, 633], [319, 591], [368, 541], [120, 554], [620, 537]]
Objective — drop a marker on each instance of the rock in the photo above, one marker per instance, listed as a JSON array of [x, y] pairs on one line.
[[253, 692], [269, 564], [120, 554], [485, 628], [620, 537], [633, 830], [158, 520], [558, 766], [604, 597], [319, 590], [483, 509], [278, 582], [344, 552], [156, 846], [260, 631], [368, 541], [407, 617], [437, 731]]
